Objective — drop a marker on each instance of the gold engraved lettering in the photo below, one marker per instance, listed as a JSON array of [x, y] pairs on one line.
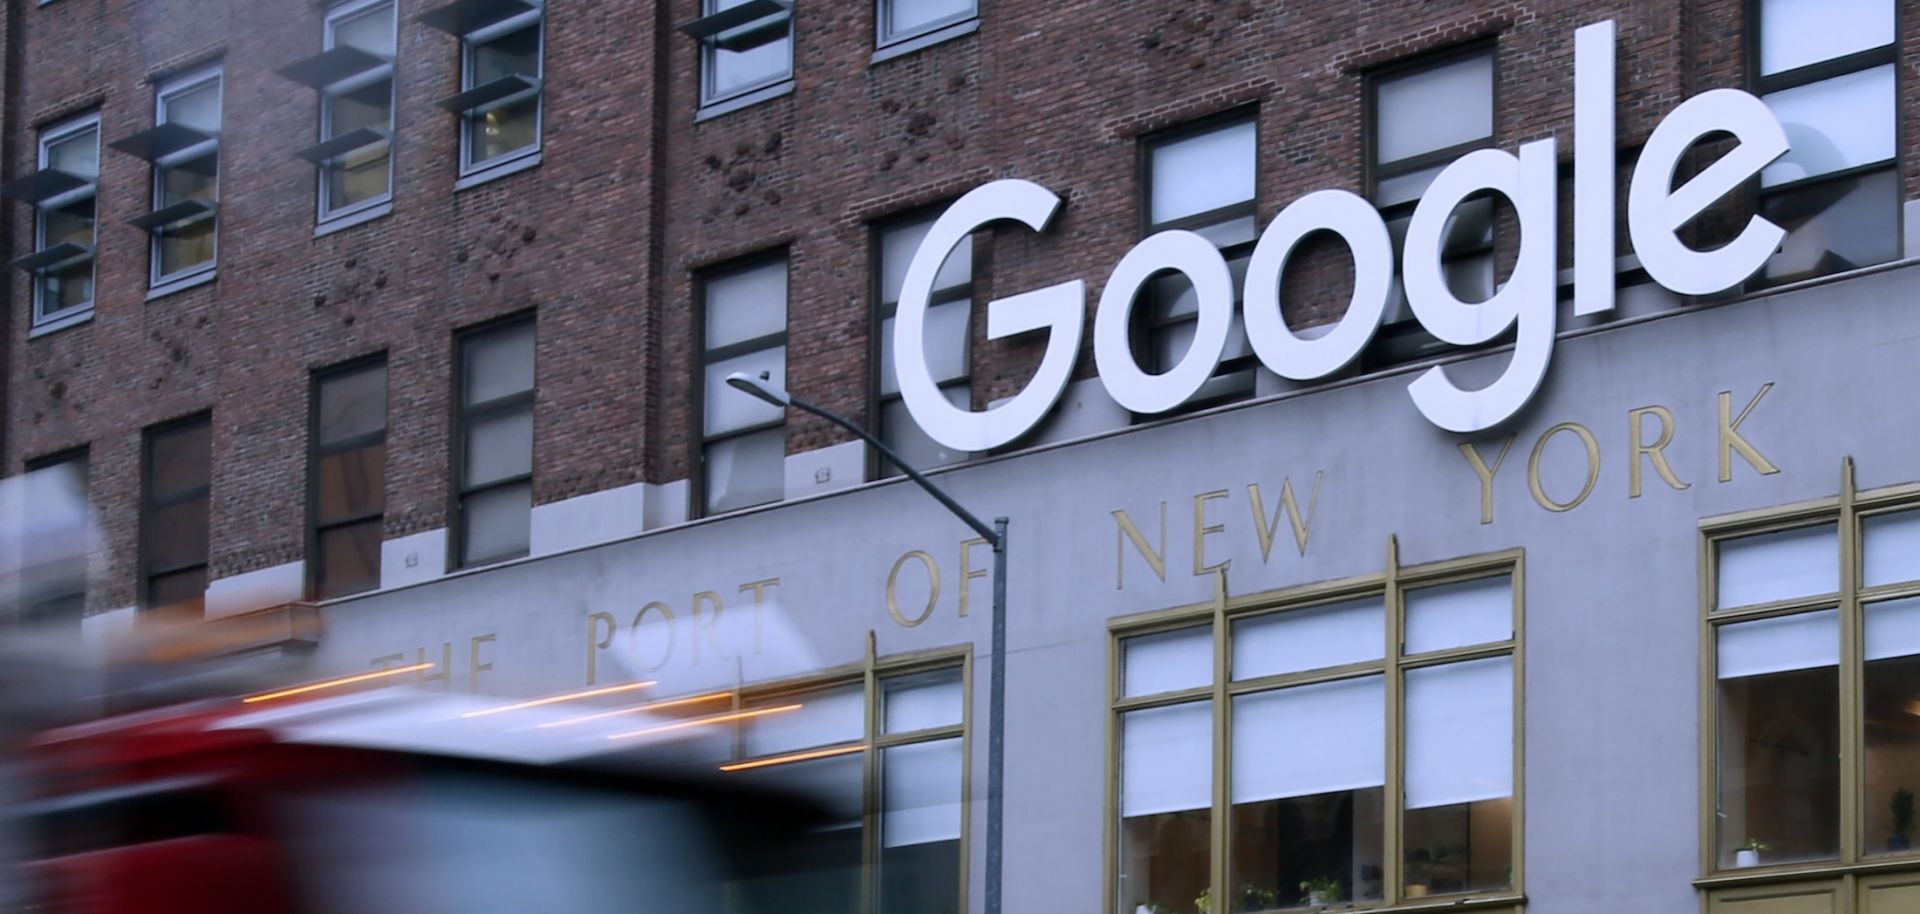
[[438, 672], [1593, 467], [1654, 452], [596, 645], [1128, 531], [1485, 474], [386, 661], [1264, 528], [1731, 440], [1201, 530], [933, 589], [703, 631], [673, 632], [967, 572], [474, 665], [759, 589]]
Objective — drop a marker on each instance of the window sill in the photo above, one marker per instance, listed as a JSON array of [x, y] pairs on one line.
[[497, 171], [924, 40], [182, 284], [53, 325], [359, 217], [1808, 872], [744, 100]]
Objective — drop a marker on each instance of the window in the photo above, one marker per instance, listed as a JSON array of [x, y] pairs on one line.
[[493, 441], [743, 441], [911, 764], [354, 76], [947, 342], [745, 45], [1316, 694], [1813, 669], [54, 555], [900, 20], [1828, 72], [348, 491], [500, 67], [1422, 117], [184, 149], [173, 519], [1202, 180], [62, 192]]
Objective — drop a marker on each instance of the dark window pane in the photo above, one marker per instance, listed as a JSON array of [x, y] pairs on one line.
[[351, 484], [349, 559], [1296, 851], [1892, 700], [66, 287], [497, 524], [180, 458], [1779, 748], [1834, 226], [177, 535], [353, 404], [70, 224], [185, 588], [1464, 847], [508, 128], [498, 447], [515, 53], [822, 874]]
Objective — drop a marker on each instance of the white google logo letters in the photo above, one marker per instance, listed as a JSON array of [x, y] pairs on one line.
[[1655, 210]]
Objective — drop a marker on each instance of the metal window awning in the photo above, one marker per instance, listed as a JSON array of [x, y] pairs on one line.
[[325, 69], [464, 16], [322, 152], [161, 140], [167, 217], [489, 92], [42, 185], [713, 27], [48, 257]]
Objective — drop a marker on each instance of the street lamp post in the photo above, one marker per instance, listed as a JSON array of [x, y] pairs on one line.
[[762, 387]]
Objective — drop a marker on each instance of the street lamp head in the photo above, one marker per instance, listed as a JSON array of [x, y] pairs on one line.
[[760, 386]]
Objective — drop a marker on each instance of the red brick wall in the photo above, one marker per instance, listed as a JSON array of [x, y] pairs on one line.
[[634, 197]]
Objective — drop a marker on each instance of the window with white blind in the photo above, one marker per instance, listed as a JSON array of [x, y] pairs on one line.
[[347, 463], [1200, 178], [897, 21], [1308, 690], [493, 441], [1791, 627], [1829, 71], [905, 777], [742, 445], [1423, 115], [947, 343]]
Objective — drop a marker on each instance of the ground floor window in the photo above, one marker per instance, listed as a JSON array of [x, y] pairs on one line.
[[1366, 731]]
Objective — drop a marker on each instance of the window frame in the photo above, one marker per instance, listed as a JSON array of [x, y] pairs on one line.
[[885, 38], [715, 101], [1143, 325], [1389, 585], [186, 82], [697, 478], [532, 19], [49, 135], [1847, 65], [149, 505], [317, 451], [874, 673], [1847, 511], [326, 215], [883, 310], [464, 415], [1414, 341]]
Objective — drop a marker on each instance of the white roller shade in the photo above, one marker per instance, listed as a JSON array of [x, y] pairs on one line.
[[1779, 566], [824, 718], [1890, 548], [1795, 33], [1459, 733], [1310, 740], [922, 702], [746, 304], [1800, 642], [1353, 631], [920, 793], [1203, 172], [1166, 759], [1893, 629], [1167, 662], [1457, 615]]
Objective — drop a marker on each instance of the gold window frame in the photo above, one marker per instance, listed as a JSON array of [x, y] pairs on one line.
[[1391, 584]]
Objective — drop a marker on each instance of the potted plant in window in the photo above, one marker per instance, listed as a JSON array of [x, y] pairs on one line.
[[1422, 864], [1902, 828], [1749, 853], [1320, 891]]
